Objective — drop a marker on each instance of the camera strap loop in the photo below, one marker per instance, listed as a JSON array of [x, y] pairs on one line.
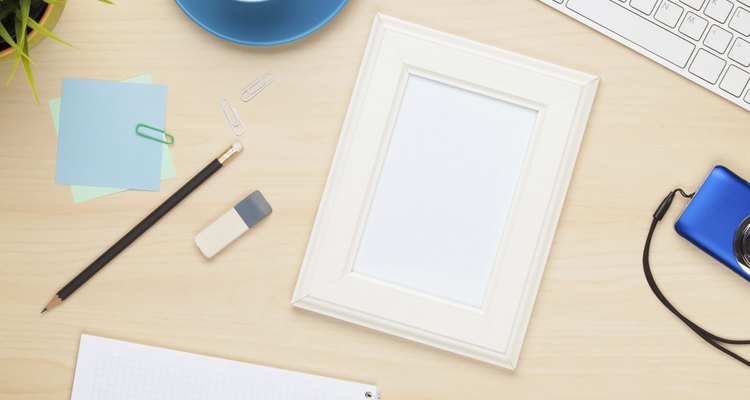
[[709, 337]]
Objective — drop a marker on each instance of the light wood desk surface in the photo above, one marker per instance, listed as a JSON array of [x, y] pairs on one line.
[[596, 330]]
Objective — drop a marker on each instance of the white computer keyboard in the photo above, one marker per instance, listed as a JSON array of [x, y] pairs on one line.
[[706, 41]]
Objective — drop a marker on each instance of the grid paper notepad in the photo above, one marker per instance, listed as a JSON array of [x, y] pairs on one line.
[[109, 369]]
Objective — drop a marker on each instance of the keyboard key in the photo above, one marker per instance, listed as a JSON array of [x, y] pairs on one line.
[[718, 39], [740, 22], [745, 2], [636, 29], [734, 81], [740, 52], [644, 6], [719, 9], [707, 66], [693, 26], [747, 96], [669, 13]]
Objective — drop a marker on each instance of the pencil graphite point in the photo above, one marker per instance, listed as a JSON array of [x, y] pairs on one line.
[[56, 300]]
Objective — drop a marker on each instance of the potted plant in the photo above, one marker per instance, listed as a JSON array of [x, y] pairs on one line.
[[23, 24]]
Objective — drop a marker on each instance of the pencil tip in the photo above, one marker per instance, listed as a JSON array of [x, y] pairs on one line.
[[43, 311]]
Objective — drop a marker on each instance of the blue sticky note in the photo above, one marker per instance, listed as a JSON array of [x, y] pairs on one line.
[[97, 143], [83, 193]]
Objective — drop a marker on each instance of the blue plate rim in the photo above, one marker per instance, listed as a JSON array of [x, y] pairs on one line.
[[298, 36]]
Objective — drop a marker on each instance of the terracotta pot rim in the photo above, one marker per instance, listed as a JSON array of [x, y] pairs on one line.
[[42, 21]]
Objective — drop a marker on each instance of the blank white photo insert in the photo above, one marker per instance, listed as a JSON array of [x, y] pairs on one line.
[[444, 191]]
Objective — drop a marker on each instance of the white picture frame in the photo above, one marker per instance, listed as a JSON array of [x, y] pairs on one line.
[[491, 327]]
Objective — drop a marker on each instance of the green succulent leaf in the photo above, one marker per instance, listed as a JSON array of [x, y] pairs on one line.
[[27, 66], [8, 39], [46, 32], [16, 60], [30, 75], [23, 13], [6, 36]]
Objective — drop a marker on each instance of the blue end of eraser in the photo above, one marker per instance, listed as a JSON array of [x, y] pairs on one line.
[[253, 208]]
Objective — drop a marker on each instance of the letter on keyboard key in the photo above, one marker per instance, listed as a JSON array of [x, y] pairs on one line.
[[635, 29], [740, 52], [707, 66], [693, 26], [734, 81], [669, 13], [644, 6], [740, 21]]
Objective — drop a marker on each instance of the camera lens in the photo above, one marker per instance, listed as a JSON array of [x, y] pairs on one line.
[[742, 243]]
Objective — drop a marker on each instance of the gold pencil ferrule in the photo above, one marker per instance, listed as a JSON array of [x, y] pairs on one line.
[[230, 153]]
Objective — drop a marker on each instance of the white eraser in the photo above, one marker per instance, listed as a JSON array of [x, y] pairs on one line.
[[232, 224]]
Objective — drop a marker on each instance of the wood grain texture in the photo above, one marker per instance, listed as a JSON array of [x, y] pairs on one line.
[[596, 330]]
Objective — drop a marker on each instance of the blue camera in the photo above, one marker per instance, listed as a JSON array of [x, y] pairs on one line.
[[717, 220]]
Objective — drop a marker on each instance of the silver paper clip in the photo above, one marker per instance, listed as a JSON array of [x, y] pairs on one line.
[[256, 86], [232, 117]]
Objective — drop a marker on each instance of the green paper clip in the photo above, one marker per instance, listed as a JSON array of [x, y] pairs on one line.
[[170, 138]]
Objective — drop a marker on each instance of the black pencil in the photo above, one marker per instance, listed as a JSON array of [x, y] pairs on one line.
[[142, 227]]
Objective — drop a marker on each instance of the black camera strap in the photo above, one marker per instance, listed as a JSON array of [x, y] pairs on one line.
[[709, 337]]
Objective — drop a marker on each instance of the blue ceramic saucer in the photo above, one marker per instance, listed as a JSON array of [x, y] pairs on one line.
[[261, 23]]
